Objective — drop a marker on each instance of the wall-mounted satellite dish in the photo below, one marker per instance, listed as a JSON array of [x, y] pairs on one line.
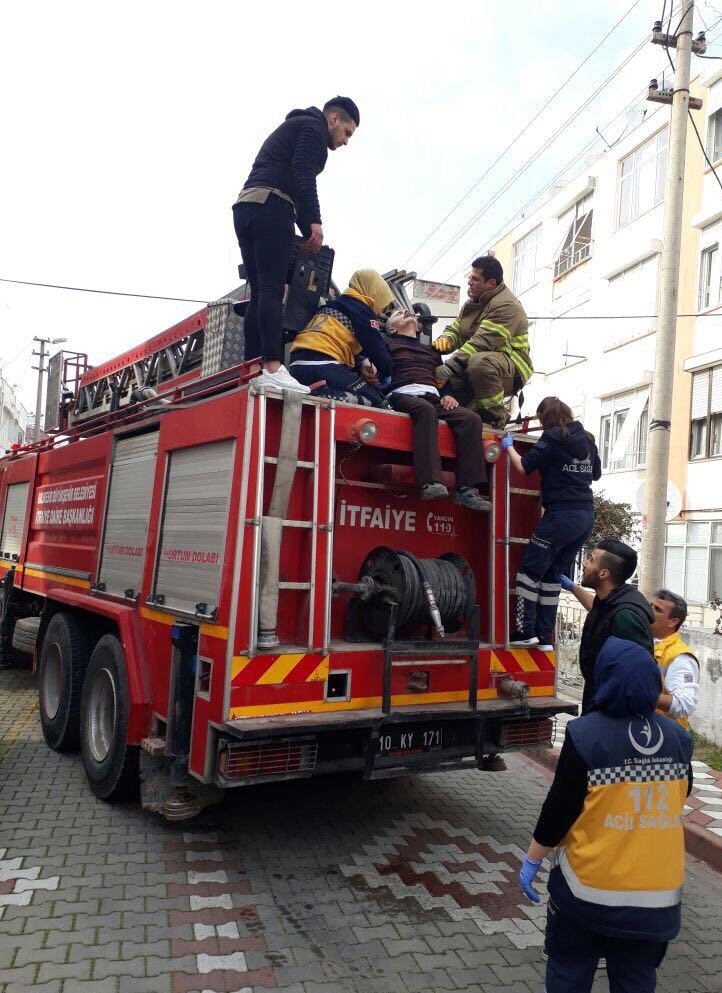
[[674, 500]]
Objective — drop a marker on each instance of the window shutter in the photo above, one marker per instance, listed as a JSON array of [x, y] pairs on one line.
[[700, 392], [717, 390]]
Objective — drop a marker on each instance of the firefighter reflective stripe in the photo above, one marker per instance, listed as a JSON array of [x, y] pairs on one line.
[[272, 670], [126, 521], [195, 526], [617, 898], [11, 536], [490, 402], [452, 333], [512, 345], [468, 349]]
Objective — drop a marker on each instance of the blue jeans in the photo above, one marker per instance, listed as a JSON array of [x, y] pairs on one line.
[[558, 537], [574, 953]]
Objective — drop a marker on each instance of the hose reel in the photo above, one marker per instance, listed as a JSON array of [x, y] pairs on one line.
[[439, 591]]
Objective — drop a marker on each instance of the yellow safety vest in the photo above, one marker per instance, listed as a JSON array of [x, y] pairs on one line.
[[626, 848], [665, 652]]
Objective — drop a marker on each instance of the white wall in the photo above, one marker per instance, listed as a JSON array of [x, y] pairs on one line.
[[13, 417], [707, 720]]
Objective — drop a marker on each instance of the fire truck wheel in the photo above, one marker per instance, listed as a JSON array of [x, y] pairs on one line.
[[25, 634], [111, 765], [63, 661]]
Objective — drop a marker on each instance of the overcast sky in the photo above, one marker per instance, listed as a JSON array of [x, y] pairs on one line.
[[129, 129]]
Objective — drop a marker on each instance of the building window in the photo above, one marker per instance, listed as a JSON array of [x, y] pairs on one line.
[[525, 268], [641, 179], [710, 278], [623, 431], [693, 559], [705, 440], [714, 136], [577, 244]]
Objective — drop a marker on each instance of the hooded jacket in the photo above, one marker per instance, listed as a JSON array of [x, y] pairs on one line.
[[568, 462], [290, 159], [496, 322], [620, 786], [624, 613]]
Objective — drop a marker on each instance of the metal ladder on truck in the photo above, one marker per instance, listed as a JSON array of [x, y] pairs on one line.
[[268, 589]]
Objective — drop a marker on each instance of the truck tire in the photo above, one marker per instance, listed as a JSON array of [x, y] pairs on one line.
[[111, 764], [25, 634], [61, 670]]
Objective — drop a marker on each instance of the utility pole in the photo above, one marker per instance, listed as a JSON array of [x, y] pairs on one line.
[[652, 554], [41, 370]]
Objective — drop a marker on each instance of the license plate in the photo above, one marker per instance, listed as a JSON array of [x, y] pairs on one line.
[[410, 740]]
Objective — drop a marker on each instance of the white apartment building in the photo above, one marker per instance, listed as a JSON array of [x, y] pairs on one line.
[[13, 417], [593, 250]]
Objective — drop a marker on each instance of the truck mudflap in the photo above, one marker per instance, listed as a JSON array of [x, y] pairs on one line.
[[423, 739]]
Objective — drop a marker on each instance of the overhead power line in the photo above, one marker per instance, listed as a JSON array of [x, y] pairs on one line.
[[519, 135], [600, 317], [547, 184], [111, 293], [532, 158]]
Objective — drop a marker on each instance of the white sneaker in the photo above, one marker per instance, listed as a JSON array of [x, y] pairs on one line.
[[519, 641], [281, 379]]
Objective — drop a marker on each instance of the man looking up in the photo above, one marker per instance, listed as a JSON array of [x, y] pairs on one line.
[[489, 339], [615, 608], [281, 189], [677, 662]]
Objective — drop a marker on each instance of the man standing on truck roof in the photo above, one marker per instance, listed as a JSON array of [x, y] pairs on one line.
[[281, 191], [490, 342]]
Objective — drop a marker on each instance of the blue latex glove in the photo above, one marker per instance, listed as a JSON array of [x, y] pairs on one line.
[[527, 873], [507, 441], [567, 583]]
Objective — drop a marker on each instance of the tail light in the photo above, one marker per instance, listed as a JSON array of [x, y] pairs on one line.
[[260, 761], [524, 734]]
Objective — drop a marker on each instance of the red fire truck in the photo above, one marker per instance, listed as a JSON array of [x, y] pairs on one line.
[[223, 586]]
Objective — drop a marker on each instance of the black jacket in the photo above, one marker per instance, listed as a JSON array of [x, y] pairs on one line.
[[567, 464], [290, 159], [600, 624]]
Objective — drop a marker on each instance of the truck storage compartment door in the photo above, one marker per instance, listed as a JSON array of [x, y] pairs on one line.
[[13, 522], [126, 520], [195, 521]]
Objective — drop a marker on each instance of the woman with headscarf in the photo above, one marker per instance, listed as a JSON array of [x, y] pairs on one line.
[[343, 347]]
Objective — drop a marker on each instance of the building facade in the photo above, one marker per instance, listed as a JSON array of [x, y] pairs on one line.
[[586, 266], [13, 417]]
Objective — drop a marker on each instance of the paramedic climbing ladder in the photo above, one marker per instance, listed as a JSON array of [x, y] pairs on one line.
[[567, 460]]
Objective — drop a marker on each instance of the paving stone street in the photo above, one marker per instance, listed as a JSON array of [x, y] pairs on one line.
[[329, 886]]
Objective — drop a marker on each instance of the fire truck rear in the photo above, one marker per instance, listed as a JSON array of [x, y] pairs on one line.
[[223, 586]]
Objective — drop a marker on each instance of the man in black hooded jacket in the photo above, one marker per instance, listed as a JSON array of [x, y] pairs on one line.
[[615, 608], [281, 190]]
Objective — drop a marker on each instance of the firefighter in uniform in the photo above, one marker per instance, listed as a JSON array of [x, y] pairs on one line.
[[490, 342], [677, 662], [614, 814]]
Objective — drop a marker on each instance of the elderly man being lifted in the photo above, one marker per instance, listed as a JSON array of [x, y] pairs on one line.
[[489, 339]]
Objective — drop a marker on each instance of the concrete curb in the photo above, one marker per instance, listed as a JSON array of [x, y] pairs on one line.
[[700, 843]]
